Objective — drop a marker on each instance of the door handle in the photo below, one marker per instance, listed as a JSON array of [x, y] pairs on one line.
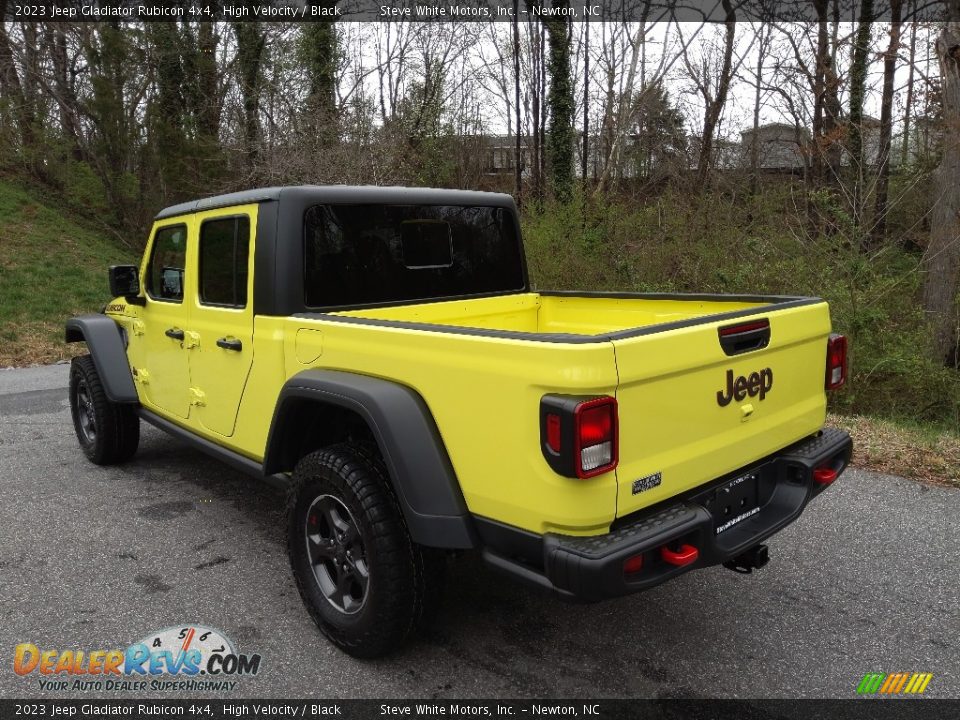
[[174, 334], [230, 344]]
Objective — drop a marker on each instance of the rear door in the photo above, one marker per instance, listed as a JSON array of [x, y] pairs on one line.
[[221, 316], [692, 411]]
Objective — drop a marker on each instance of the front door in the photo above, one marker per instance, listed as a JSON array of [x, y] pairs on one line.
[[221, 316], [157, 343]]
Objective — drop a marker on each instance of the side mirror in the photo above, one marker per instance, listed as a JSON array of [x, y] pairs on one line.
[[124, 281]]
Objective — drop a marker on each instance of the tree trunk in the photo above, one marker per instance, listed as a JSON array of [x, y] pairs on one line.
[[250, 43], [321, 49], [518, 153], [886, 128], [167, 111], [715, 109], [9, 77], [908, 104], [757, 97], [942, 259], [536, 60], [816, 155], [586, 103], [560, 100], [13, 89], [826, 116], [210, 107], [620, 119], [858, 84], [66, 97]]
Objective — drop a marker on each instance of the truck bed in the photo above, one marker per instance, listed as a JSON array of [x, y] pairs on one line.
[[584, 316]]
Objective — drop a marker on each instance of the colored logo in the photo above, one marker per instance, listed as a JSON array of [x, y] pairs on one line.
[[894, 683], [186, 651]]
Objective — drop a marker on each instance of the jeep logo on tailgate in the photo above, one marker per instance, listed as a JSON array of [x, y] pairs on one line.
[[758, 383]]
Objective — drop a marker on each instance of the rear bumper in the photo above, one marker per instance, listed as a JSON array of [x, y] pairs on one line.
[[592, 568]]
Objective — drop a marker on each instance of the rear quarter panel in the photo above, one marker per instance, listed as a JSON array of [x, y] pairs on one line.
[[484, 394]]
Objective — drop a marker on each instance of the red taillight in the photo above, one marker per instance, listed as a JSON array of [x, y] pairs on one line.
[[578, 435], [553, 432], [595, 435], [594, 424], [836, 362]]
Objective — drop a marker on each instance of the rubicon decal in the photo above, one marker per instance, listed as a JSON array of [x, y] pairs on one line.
[[903, 683], [757, 383], [184, 651]]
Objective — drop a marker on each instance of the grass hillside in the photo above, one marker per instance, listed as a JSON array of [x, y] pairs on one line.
[[50, 268]]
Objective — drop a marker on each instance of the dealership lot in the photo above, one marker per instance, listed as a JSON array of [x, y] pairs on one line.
[[96, 558]]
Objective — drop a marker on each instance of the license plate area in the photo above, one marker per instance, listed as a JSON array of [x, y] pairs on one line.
[[733, 501]]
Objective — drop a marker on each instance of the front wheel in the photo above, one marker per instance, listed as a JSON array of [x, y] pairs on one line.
[[108, 432], [362, 578]]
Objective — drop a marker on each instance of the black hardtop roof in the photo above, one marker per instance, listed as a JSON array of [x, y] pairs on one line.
[[344, 194]]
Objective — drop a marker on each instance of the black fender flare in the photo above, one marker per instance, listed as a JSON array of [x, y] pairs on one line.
[[406, 433], [105, 341]]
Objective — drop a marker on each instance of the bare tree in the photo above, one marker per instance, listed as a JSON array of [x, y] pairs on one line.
[[586, 103], [886, 127], [858, 86], [713, 92], [942, 258], [518, 153], [624, 102], [13, 88], [908, 104], [762, 33]]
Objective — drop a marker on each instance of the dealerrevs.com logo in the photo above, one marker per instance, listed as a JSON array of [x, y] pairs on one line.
[[185, 657]]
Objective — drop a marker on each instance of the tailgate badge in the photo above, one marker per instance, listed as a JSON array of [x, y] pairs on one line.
[[757, 383], [647, 483]]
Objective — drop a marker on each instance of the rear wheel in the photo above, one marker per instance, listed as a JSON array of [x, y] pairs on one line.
[[364, 581], [108, 432]]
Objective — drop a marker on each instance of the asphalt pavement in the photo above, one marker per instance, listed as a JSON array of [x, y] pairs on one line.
[[96, 558]]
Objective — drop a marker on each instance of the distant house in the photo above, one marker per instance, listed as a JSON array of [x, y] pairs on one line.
[[779, 146], [727, 154], [500, 154]]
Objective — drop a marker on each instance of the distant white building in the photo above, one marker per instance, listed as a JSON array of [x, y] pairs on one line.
[[727, 154], [500, 154], [780, 147]]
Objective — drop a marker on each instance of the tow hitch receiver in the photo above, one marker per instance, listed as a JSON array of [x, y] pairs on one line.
[[755, 557]]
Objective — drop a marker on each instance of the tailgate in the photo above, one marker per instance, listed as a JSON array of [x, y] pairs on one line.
[[690, 413]]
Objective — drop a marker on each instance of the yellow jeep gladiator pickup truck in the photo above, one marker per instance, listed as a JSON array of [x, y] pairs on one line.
[[381, 353]]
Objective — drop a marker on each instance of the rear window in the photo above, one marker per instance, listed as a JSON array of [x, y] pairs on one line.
[[369, 254], [224, 256]]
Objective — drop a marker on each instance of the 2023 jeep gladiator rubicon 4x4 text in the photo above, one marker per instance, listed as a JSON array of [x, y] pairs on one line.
[[380, 351]]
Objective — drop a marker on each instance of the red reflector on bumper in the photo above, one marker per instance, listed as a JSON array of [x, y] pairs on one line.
[[553, 432], [684, 556], [824, 475], [633, 564]]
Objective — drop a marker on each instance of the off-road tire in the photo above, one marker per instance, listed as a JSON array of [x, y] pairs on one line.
[[108, 432], [403, 579], [433, 561]]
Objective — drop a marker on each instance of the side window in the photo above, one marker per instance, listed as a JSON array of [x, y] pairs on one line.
[[224, 255], [167, 260]]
